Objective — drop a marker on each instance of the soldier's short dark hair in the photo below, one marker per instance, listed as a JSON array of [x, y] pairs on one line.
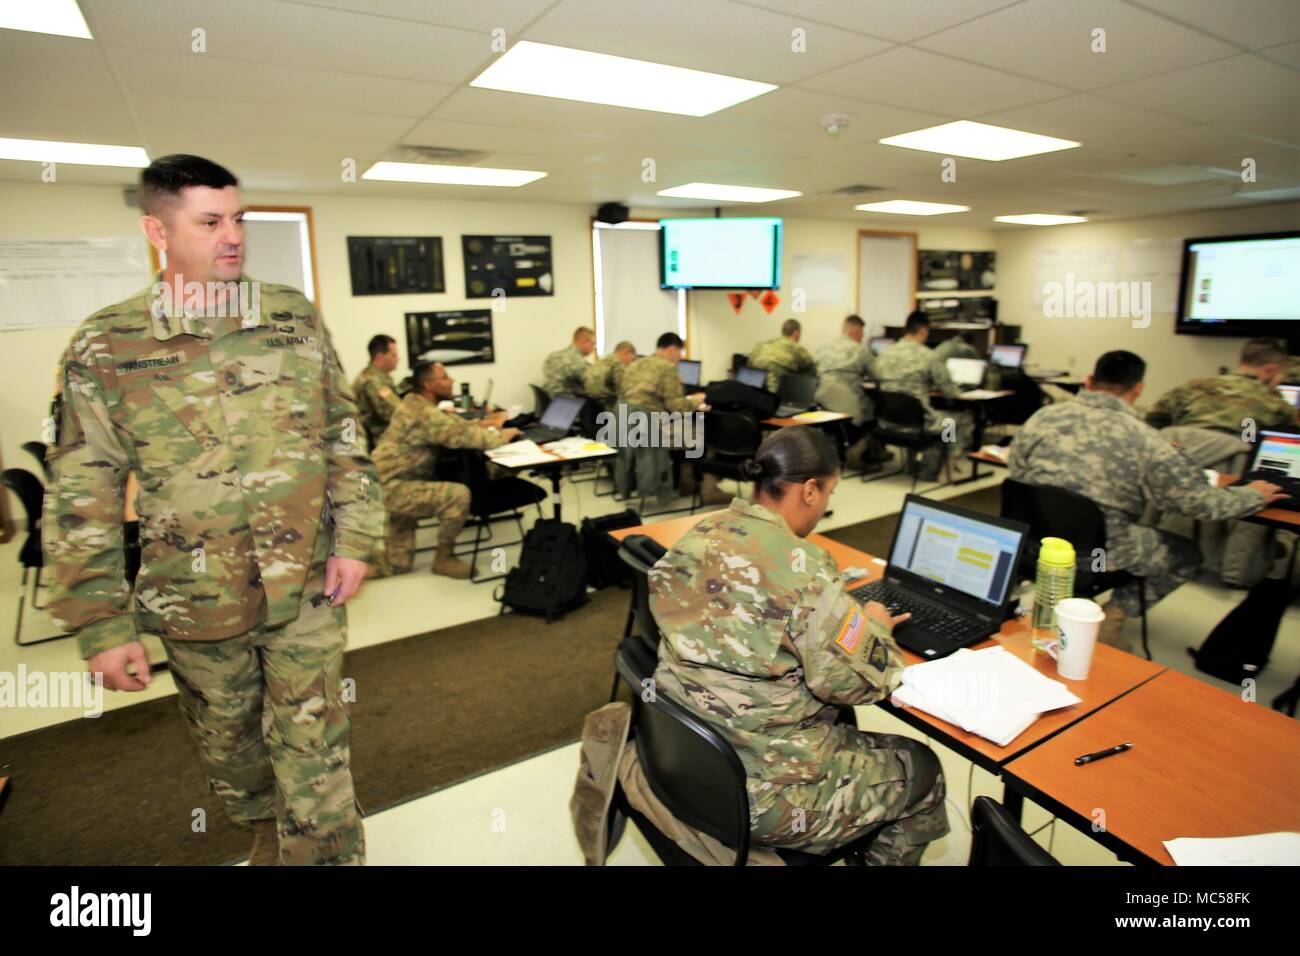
[[379, 345], [1119, 370], [625, 346], [855, 321], [789, 327], [165, 178], [791, 455], [1259, 352], [582, 331], [916, 321], [668, 340], [422, 372]]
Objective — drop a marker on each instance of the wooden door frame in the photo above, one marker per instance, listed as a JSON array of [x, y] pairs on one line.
[[592, 226]]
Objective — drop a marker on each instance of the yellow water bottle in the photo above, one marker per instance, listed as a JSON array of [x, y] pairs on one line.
[[1053, 582]]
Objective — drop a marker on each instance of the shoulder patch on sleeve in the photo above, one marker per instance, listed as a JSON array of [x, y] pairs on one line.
[[851, 631]]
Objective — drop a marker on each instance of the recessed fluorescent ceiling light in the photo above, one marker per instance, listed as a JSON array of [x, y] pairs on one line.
[[540, 69], [450, 175], [978, 141], [725, 193], [74, 154], [910, 207], [1040, 219], [58, 17]]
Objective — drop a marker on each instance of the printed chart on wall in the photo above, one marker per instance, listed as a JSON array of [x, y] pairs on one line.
[[395, 265], [451, 338], [517, 265], [51, 283]]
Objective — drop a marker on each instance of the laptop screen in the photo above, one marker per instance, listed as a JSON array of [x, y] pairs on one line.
[[1008, 356], [1278, 451], [963, 553], [1291, 393], [880, 343], [561, 412], [752, 376], [689, 371], [798, 389], [966, 371]]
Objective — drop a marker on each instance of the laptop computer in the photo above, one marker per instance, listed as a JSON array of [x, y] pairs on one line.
[[880, 342], [556, 421], [1277, 459], [966, 373], [1291, 393], [479, 412], [953, 569], [748, 375], [1008, 356], [689, 371], [796, 393]]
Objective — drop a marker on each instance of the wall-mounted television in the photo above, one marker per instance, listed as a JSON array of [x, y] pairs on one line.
[[740, 253], [1241, 285]]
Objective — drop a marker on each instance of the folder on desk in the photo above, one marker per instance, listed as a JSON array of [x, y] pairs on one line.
[[519, 454], [989, 692]]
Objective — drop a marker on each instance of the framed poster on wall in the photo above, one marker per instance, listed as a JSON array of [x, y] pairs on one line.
[[517, 265], [395, 265], [452, 338]]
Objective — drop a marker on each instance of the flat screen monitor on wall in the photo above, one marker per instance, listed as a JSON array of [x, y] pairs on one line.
[[741, 253], [1241, 285]]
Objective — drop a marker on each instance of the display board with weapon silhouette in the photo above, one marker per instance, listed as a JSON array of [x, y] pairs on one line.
[[452, 338], [517, 265], [395, 265]]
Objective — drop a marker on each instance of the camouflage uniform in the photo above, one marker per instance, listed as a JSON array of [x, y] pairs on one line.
[[406, 457], [1098, 447], [653, 384], [1223, 403], [955, 347], [911, 368], [779, 356], [842, 366], [603, 380], [1291, 370], [761, 640], [252, 472], [563, 372], [377, 399]]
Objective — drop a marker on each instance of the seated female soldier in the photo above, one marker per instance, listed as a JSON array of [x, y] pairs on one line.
[[761, 640]]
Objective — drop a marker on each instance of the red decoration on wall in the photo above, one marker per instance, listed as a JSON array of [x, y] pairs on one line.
[[737, 299], [755, 293], [769, 300]]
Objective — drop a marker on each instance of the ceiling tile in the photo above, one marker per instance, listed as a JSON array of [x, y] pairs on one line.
[[1250, 23], [1214, 91], [900, 22]]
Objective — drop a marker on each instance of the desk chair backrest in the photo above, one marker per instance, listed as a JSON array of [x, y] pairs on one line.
[[540, 400], [738, 361], [587, 424], [37, 450], [1027, 397], [730, 435], [693, 771], [29, 490], [898, 408], [1055, 513], [997, 840], [640, 553]]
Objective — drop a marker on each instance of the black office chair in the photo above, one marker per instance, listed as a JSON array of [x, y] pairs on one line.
[[997, 840], [738, 361], [29, 490], [492, 499], [900, 422], [729, 439], [697, 774], [1027, 397], [540, 400], [640, 553], [1057, 513], [37, 450]]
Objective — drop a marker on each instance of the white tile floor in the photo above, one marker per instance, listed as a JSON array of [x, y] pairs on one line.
[[519, 814]]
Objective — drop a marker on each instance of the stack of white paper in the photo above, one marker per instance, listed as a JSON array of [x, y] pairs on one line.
[[1261, 849], [989, 692], [519, 454]]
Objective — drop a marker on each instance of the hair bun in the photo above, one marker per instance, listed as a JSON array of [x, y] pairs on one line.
[[751, 469]]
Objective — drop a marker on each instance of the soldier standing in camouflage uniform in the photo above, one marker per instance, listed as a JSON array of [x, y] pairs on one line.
[[406, 458], [258, 513], [762, 641], [564, 371], [602, 381], [376, 395], [783, 355], [1096, 446]]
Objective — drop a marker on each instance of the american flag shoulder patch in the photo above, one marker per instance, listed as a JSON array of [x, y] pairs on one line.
[[850, 636]]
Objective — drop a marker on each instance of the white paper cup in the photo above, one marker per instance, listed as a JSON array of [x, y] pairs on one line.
[[1078, 621]]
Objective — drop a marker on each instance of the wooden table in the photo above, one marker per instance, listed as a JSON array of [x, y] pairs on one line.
[[825, 418], [554, 469], [1204, 764]]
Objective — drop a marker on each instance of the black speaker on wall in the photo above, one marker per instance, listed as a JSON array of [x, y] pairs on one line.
[[612, 213]]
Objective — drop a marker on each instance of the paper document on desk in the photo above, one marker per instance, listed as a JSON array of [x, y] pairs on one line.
[[989, 692], [519, 454], [979, 394], [576, 446], [1001, 452], [815, 417], [1261, 849]]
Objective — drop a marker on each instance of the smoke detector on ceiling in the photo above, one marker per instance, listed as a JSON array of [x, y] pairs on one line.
[[834, 123]]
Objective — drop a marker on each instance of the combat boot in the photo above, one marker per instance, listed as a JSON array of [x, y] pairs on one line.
[[446, 564], [711, 494], [266, 844]]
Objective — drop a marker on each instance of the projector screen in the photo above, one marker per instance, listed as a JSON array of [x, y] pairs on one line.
[[1240, 285], [720, 253]]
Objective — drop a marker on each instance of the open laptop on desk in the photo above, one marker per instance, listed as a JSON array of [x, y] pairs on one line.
[[796, 393], [1277, 459], [689, 371], [952, 568], [748, 375], [967, 373], [880, 342], [556, 421], [1008, 356]]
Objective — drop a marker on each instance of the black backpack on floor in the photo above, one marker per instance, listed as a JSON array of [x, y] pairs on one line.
[[604, 568], [551, 576], [1239, 647]]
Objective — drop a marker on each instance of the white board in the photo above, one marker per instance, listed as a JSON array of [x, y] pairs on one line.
[[1099, 264], [52, 283], [823, 278]]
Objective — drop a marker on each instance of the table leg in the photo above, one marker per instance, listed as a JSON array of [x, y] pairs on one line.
[[977, 410], [555, 491], [1014, 802]]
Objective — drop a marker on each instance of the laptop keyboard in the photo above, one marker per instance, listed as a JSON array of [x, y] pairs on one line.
[[934, 618]]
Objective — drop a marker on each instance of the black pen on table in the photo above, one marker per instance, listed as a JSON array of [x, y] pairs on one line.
[[1102, 754]]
